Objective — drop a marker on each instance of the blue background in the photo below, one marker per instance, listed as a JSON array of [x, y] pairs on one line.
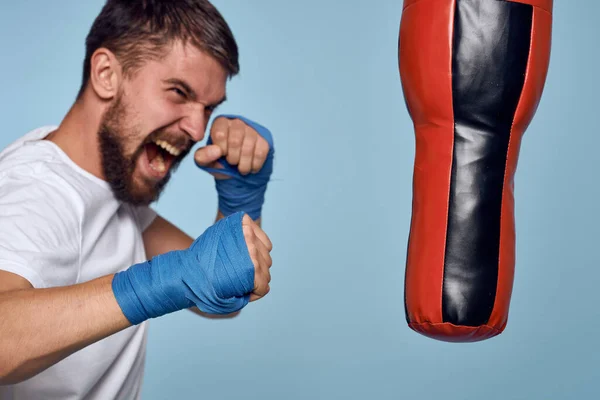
[[323, 76]]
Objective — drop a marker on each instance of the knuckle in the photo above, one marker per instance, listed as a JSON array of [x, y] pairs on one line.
[[235, 140], [233, 157], [260, 153], [219, 135], [264, 277], [221, 125], [263, 144], [237, 124], [251, 134], [248, 148], [269, 244]]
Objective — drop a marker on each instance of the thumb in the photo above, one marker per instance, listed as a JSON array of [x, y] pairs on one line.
[[248, 223], [207, 155]]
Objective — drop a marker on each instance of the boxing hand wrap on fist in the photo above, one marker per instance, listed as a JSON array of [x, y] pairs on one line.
[[245, 165], [217, 273]]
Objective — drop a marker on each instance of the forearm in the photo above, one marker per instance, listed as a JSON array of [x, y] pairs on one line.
[[40, 327]]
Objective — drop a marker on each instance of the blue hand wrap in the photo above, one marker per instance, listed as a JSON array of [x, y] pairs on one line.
[[243, 193], [215, 273]]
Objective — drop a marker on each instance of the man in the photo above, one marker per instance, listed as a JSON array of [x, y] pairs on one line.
[[84, 261]]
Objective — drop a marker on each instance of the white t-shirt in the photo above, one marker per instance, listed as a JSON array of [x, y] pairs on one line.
[[59, 226]]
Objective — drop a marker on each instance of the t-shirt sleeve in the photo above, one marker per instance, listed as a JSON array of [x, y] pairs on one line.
[[39, 232]]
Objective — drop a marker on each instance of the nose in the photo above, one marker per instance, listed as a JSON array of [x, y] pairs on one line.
[[194, 123]]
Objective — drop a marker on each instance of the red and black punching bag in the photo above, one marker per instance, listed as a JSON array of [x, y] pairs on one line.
[[472, 73]]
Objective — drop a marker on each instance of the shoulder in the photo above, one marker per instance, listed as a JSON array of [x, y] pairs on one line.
[[33, 175], [38, 188], [40, 233], [38, 201]]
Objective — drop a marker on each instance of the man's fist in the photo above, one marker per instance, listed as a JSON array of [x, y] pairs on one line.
[[220, 272], [238, 143], [239, 153]]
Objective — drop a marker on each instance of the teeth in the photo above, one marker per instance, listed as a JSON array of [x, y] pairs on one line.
[[171, 149], [158, 164]]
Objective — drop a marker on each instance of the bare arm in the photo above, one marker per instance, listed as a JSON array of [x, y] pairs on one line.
[[162, 237], [40, 327]]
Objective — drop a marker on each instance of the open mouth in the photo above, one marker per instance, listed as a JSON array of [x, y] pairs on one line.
[[160, 155]]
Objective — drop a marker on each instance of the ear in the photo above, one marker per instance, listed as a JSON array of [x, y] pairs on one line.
[[105, 74]]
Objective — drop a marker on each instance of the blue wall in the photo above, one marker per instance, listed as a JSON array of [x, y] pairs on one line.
[[323, 76]]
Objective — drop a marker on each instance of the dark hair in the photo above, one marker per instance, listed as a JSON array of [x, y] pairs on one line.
[[139, 30]]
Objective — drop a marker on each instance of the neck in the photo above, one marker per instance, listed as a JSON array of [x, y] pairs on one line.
[[77, 136]]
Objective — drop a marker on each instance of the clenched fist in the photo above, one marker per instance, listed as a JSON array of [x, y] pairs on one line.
[[239, 154], [238, 143]]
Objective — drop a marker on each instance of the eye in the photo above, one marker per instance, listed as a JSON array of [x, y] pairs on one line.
[[179, 92]]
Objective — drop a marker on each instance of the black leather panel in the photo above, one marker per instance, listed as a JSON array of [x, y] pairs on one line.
[[490, 51]]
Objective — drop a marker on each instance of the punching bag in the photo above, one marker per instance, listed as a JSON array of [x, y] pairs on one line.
[[472, 74]]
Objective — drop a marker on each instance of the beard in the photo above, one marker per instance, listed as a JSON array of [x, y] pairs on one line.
[[119, 167]]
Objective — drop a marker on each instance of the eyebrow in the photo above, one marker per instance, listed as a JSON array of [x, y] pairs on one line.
[[191, 93]]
